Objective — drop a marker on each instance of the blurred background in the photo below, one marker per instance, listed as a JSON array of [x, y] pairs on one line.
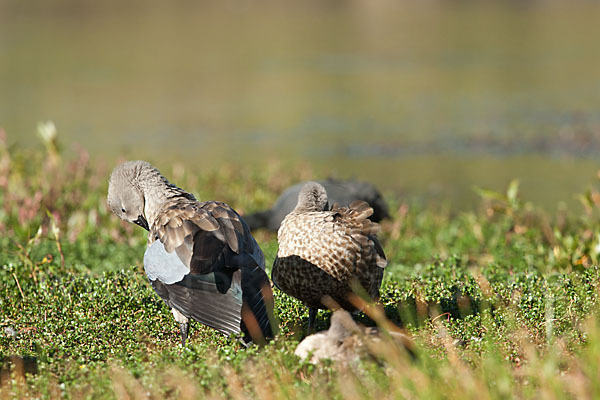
[[426, 99]]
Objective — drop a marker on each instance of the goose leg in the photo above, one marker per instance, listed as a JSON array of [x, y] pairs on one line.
[[312, 317], [184, 324], [185, 328]]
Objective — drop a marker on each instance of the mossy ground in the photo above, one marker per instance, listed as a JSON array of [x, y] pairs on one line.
[[502, 300]]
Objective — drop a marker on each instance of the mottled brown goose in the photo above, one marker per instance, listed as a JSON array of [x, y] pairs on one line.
[[324, 252], [201, 258], [346, 342]]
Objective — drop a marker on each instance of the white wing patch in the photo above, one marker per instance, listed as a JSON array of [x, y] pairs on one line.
[[166, 267]]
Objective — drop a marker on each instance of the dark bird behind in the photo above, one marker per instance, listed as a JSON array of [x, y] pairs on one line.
[[340, 192]]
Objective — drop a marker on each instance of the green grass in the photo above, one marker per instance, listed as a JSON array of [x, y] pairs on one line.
[[502, 301]]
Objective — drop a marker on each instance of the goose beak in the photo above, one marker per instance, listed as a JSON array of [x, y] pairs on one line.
[[141, 221]]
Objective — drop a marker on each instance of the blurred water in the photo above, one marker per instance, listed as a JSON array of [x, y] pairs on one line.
[[424, 99]]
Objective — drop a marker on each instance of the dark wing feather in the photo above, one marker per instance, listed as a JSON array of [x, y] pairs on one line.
[[219, 311], [258, 300], [207, 249], [381, 258]]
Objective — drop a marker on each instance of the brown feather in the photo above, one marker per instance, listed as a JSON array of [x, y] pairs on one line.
[[230, 234], [205, 221]]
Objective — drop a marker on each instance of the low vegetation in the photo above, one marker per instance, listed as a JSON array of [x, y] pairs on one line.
[[501, 301]]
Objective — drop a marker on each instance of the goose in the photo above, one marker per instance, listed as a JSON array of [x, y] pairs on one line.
[[201, 258], [347, 342], [326, 252]]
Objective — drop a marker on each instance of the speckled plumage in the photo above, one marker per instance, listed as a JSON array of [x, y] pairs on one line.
[[321, 252]]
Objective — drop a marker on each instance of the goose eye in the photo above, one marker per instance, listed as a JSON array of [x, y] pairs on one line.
[[123, 210]]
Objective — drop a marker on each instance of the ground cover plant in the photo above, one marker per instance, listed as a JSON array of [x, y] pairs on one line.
[[502, 301]]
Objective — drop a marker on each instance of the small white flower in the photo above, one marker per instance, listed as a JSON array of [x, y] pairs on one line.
[[47, 131]]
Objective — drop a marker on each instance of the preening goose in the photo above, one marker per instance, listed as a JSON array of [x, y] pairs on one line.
[[325, 252], [201, 258]]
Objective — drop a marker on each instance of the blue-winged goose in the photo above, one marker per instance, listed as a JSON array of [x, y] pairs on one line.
[[323, 252], [201, 258], [341, 192]]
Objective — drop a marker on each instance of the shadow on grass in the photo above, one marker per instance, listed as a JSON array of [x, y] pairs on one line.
[[17, 366], [418, 312], [410, 311]]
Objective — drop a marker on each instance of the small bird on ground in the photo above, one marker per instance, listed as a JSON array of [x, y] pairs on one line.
[[327, 252], [201, 258], [341, 192], [347, 342]]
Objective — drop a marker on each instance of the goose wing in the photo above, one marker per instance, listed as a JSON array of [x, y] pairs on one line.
[[204, 262]]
